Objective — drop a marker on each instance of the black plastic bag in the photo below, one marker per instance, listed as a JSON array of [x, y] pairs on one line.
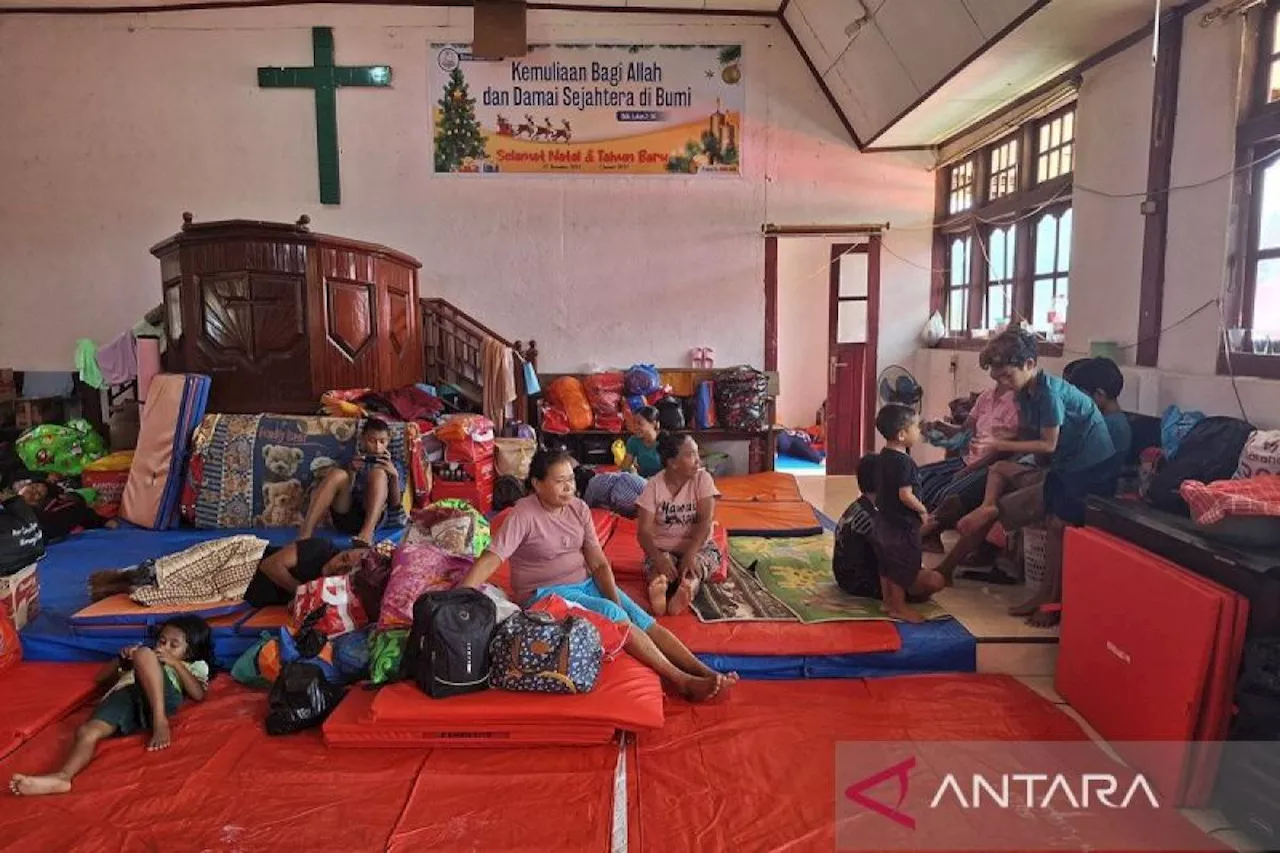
[[300, 699], [21, 540]]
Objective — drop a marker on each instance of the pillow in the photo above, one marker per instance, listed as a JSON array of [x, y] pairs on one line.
[[415, 570], [1261, 454]]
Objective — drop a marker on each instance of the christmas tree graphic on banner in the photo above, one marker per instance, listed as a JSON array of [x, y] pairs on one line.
[[459, 142]]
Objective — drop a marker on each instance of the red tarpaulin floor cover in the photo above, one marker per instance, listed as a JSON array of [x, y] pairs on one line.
[[1167, 677], [34, 695], [758, 772], [754, 772]]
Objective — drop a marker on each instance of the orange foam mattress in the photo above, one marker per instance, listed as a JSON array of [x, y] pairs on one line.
[[749, 757], [627, 696], [766, 487], [263, 619], [783, 518], [35, 694], [120, 609], [774, 638]]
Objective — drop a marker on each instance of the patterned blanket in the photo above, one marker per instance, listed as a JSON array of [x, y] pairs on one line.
[[798, 573], [260, 470]]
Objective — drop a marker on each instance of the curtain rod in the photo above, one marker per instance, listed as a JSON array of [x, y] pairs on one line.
[[771, 230]]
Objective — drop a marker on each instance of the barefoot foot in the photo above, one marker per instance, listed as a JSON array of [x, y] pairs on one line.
[[1031, 605], [159, 736], [905, 614], [1044, 618], [683, 598], [704, 689], [978, 519], [658, 595], [36, 786]]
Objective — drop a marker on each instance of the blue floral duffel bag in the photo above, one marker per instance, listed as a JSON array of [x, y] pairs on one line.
[[533, 652]]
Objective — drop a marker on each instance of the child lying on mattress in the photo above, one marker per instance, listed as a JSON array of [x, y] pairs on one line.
[[150, 685]]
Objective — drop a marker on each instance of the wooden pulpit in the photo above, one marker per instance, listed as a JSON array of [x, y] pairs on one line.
[[278, 315]]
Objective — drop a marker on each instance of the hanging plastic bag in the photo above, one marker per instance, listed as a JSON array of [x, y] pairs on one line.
[[934, 330]]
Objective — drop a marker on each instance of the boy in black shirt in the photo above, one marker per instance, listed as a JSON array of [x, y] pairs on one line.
[[854, 560], [896, 527]]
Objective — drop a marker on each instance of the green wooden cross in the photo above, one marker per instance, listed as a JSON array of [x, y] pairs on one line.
[[325, 78]]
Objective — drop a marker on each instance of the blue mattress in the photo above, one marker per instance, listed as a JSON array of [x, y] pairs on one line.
[[64, 574], [943, 645]]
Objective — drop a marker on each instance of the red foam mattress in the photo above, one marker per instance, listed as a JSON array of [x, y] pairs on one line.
[[35, 694], [1148, 652], [767, 487], [628, 696]]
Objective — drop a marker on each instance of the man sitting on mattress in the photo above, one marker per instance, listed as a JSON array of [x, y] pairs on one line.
[[356, 497]]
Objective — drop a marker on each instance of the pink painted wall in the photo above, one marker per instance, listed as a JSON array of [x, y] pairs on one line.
[[114, 125], [803, 312]]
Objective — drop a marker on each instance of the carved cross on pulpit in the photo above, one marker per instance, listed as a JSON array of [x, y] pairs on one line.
[[324, 77]]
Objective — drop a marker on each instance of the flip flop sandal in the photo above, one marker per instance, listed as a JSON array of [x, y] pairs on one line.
[[357, 542]]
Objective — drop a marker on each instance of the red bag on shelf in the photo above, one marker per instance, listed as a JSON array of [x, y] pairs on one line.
[[611, 422], [555, 421], [604, 392]]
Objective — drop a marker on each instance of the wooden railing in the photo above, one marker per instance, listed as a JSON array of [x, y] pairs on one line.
[[454, 343]]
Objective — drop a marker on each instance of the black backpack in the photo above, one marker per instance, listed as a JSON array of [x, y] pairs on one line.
[[21, 539], [448, 649], [1211, 451], [300, 699], [670, 414]]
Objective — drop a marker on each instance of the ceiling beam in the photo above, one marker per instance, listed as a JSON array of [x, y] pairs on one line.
[[817, 77], [203, 5], [983, 48]]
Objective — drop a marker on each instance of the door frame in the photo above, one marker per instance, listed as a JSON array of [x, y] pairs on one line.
[[871, 249], [872, 233]]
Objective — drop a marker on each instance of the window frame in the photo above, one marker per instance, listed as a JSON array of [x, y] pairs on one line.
[[1019, 207], [1257, 137]]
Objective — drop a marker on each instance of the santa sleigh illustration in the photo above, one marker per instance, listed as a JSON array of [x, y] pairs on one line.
[[529, 129]]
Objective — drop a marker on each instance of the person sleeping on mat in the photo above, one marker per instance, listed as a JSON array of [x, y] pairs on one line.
[[552, 547], [283, 570], [676, 513], [150, 685], [60, 512], [356, 497]]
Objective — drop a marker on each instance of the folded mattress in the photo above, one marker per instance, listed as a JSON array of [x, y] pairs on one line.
[[765, 487], [627, 696], [782, 518], [1166, 679]]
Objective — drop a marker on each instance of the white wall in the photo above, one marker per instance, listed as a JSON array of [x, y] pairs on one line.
[[804, 293], [115, 125], [1114, 119]]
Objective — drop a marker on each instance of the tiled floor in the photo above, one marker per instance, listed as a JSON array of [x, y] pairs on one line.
[[1007, 644]]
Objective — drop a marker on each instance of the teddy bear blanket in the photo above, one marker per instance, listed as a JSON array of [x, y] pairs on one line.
[[259, 470]]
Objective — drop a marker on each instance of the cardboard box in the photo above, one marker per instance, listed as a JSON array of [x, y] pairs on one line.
[[20, 595], [40, 410]]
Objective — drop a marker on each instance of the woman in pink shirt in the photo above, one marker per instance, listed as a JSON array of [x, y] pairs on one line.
[[552, 546], [676, 512], [994, 417]]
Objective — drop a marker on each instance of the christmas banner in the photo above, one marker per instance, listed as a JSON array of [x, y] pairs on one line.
[[589, 109]]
